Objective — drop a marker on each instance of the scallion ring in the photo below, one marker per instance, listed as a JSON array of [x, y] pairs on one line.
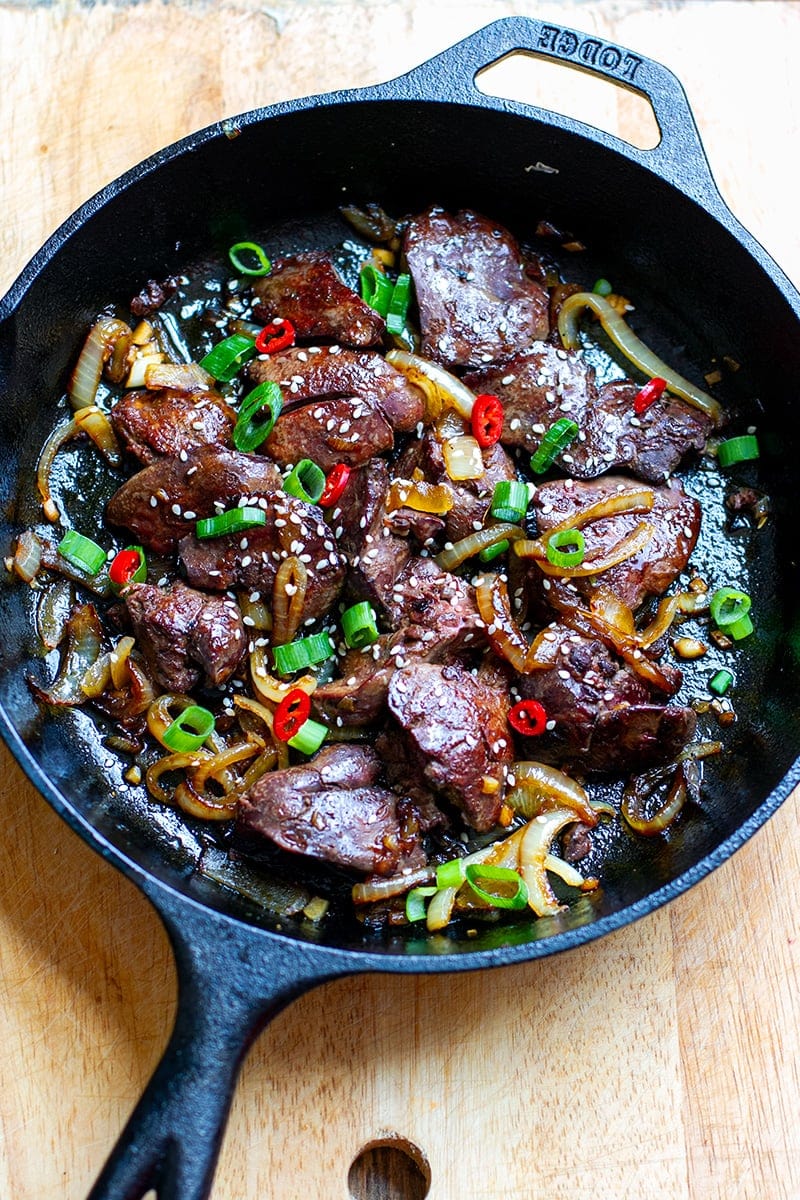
[[376, 288], [415, 903], [309, 737], [560, 435], [566, 548], [398, 305], [451, 873], [302, 653], [224, 360], [258, 413], [359, 625], [82, 552], [233, 520], [262, 264], [479, 873], [510, 500], [730, 610], [737, 449], [306, 481], [189, 730]]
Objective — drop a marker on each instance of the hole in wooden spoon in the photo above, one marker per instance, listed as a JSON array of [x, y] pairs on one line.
[[389, 1168]]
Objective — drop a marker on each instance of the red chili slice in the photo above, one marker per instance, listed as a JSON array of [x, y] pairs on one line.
[[334, 485], [528, 717], [648, 395], [487, 420], [124, 566], [291, 714], [278, 335]]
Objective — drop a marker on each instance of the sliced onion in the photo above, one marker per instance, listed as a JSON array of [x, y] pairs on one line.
[[449, 390], [288, 599], [666, 612], [140, 366], [119, 661], [540, 787], [505, 636], [534, 850], [440, 909], [420, 495], [167, 764], [610, 608], [463, 458], [448, 560], [60, 435], [590, 625], [27, 556], [640, 789], [94, 422], [380, 888], [83, 648], [266, 761], [97, 349], [265, 714], [632, 347], [183, 377], [633, 543], [52, 612], [566, 872], [638, 500]]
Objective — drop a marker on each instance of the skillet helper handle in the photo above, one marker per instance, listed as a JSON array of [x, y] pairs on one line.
[[679, 158], [229, 988]]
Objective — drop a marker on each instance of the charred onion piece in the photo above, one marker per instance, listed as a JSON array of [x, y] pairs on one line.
[[458, 553], [288, 599], [540, 788], [632, 347], [505, 636], [97, 349], [83, 648]]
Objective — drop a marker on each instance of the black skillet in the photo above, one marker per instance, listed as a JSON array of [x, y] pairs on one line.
[[429, 136]]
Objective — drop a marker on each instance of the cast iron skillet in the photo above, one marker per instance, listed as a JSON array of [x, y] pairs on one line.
[[429, 136]]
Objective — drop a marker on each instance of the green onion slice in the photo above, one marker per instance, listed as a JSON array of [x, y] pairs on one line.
[[359, 625], [478, 874], [566, 548], [451, 874], [560, 435], [492, 552], [224, 360], [721, 682], [306, 481], [233, 520], [258, 263], [309, 737], [738, 449], [82, 552], [602, 287], [302, 653], [189, 729], [510, 500], [398, 305], [730, 611], [415, 902], [376, 288], [258, 413]]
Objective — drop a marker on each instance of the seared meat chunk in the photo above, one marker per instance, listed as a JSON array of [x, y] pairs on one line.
[[161, 503], [434, 618], [161, 424], [306, 290], [539, 387], [330, 371], [453, 735], [337, 429], [251, 560], [473, 497], [607, 718], [476, 302], [186, 636], [333, 808], [674, 519]]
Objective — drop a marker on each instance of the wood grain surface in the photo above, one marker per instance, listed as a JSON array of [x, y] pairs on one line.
[[661, 1062]]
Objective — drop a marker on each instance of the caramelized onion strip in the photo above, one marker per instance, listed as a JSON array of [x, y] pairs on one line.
[[459, 552], [620, 552], [288, 599], [96, 351], [534, 851], [505, 636], [540, 788], [632, 347]]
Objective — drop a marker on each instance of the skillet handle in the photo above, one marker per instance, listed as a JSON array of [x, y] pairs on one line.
[[679, 157], [232, 981]]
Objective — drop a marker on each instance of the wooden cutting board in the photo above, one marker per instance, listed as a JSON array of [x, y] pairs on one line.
[[661, 1062]]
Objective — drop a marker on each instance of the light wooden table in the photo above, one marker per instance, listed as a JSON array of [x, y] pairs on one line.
[[661, 1062]]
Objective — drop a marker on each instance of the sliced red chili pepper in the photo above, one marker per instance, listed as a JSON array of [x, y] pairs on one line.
[[278, 335], [124, 566], [648, 395], [334, 485], [528, 717], [487, 420], [291, 714]]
